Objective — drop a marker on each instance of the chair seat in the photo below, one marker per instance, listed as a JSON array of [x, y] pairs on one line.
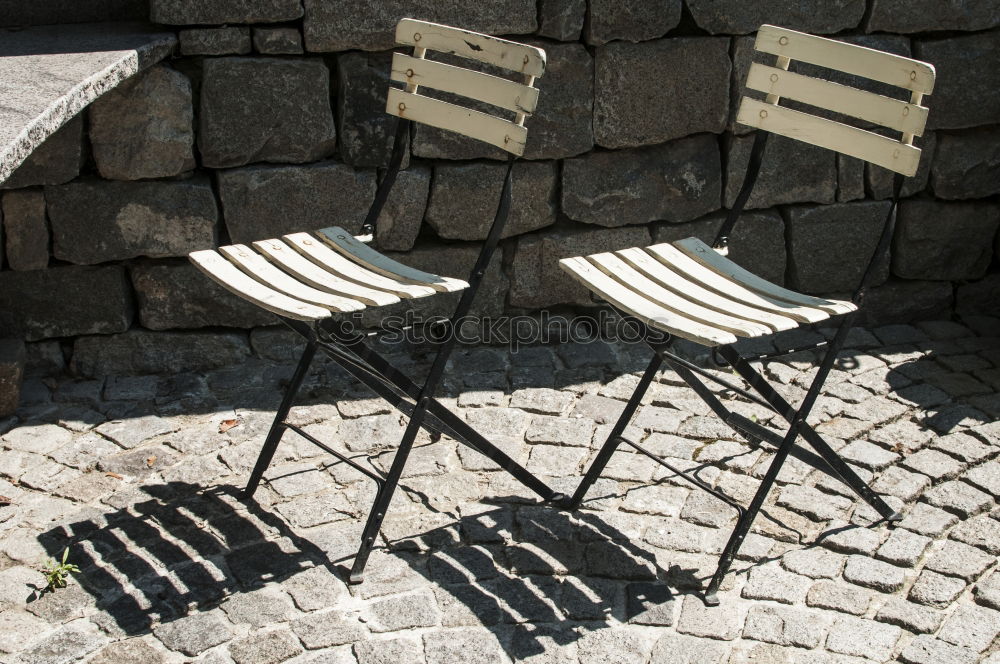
[[309, 276], [689, 290]]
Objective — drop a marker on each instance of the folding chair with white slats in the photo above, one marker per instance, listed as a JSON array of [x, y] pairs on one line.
[[693, 291], [309, 277]]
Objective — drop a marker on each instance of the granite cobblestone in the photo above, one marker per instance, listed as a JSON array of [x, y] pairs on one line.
[[489, 581]]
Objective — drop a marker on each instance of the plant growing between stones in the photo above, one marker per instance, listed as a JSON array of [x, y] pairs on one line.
[[57, 574]]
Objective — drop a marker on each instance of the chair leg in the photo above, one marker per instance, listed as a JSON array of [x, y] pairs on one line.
[[384, 495], [278, 424], [614, 438], [844, 472], [796, 421], [438, 416], [747, 517]]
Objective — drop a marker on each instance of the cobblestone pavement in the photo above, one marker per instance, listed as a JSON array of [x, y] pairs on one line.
[[139, 477]]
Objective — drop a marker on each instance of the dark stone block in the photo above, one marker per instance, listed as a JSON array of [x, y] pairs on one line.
[[743, 56], [189, 12], [740, 17], [332, 25], [277, 41], [561, 19], [944, 241], [144, 127], [563, 124], [757, 241], [850, 179], [27, 230], [677, 181], [931, 15], [262, 202], [55, 161], [655, 91], [178, 295], [537, 280], [979, 298], [399, 223], [265, 109], [215, 41], [631, 20], [94, 221], [464, 198], [967, 90], [366, 131], [967, 164], [142, 352], [830, 246], [898, 301], [792, 172], [66, 301]]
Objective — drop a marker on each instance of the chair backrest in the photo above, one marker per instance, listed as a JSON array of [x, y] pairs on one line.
[[908, 118], [519, 99]]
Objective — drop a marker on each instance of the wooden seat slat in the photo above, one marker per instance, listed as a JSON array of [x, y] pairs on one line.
[[640, 307], [346, 244], [695, 271], [238, 282], [688, 288], [295, 263], [259, 268], [312, 247], [631, 278], [711, 259]]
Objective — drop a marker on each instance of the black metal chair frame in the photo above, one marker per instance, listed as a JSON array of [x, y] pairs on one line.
[[824, 459], [347, 348]]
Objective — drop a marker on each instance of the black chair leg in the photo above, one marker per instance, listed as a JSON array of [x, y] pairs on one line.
[[843, 471], [614, 438], [278, 424], [747, 517], [381, 504]]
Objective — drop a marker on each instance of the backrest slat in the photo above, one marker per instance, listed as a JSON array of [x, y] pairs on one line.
[[418, 72], [885, 111], [484, 48], [848, 58], [493, 90], [825, 133], [777, 83], [474, 124]]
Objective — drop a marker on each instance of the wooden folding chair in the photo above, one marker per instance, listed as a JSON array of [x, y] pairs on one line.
[[690, 290], [307, 278]]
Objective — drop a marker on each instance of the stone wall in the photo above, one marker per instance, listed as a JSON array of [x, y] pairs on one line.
[[268, 120]]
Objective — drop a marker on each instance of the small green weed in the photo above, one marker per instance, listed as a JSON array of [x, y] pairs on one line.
[[56, 574]]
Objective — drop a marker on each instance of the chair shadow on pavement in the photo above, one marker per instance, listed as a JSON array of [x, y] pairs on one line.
[[182, 549], [176, 549]]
